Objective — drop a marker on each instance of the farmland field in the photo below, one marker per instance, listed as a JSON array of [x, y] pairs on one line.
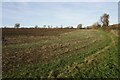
[[59, 53]]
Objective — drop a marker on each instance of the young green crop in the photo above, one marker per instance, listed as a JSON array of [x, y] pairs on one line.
[[75, 54]]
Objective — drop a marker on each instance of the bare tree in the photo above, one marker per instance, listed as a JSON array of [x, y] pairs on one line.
[[105, 20], [48, 26], [96, 25], [44, 26], [17, 25], [79, 26], [71, 27], [61, 26], [36, 26], [5, 26]]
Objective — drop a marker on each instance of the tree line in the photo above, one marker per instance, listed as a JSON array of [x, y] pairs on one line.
[[104, 23]]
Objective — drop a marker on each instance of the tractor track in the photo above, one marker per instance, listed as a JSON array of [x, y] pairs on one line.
[[88, 60]]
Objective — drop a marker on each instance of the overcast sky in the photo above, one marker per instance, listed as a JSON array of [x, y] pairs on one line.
[[57, 13]]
